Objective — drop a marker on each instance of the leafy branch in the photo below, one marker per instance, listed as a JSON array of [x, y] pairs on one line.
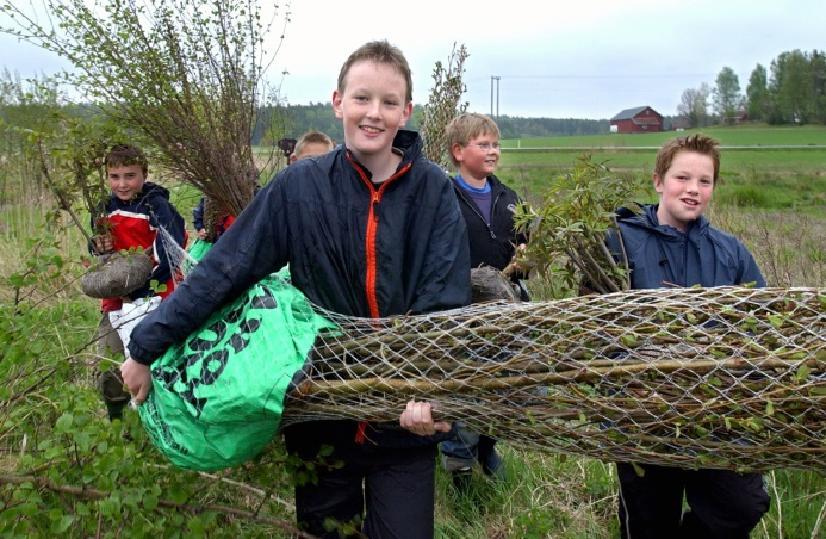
[[569, 229], [186, 74], [443, 105]]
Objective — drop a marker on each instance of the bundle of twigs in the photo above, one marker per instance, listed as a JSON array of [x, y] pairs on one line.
[[718, 377]]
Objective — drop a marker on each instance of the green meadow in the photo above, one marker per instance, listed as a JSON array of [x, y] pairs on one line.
[[756, 171]]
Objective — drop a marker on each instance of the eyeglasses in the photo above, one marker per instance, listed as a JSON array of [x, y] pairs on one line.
[[485, 146]]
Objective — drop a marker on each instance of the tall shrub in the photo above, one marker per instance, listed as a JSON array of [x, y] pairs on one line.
[[187, 74]]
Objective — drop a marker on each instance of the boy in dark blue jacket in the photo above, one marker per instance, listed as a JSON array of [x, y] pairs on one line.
[[488, 207], [370, 229], [672, 244]]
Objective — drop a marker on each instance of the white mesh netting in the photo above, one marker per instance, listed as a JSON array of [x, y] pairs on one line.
[[716, 377], [723, 377]]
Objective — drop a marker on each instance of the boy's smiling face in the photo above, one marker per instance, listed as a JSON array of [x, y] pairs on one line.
[[125, 181], [478, 158], [686, 189], [372, 108]]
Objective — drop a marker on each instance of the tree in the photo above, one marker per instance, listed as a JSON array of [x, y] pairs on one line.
[[443, 105], [791, 87], [817, 62], [694, 106], [187, 74], [727, 98], [757, 94]]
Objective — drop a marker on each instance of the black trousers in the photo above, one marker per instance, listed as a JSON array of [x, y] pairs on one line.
[[724, 504], [398, 484]]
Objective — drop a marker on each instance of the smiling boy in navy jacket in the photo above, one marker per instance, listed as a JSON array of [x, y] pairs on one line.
[[672, 244], [370, 229]]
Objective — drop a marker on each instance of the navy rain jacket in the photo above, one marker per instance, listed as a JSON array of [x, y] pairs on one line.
[[353, 247], [491, 244], [134, 223], [661, 255]]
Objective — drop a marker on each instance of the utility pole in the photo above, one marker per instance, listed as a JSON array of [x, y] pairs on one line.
[[496, 78]]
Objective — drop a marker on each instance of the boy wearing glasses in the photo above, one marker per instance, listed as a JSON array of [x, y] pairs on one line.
[[488, 208]]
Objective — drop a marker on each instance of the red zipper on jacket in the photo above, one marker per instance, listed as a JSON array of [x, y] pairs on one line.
[[372, 231], [370, 252]]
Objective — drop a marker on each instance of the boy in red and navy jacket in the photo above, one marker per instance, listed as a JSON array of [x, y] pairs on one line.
[[134, 212]]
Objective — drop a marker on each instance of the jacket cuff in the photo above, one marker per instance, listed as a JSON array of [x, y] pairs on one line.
[[140, 354]]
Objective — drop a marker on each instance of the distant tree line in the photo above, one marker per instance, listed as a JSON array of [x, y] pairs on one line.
[[300, 118], [792, 91]]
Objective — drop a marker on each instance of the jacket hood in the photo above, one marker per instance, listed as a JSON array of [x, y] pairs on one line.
[[153, 190], [149, 192], [648, 220], [408, 142]]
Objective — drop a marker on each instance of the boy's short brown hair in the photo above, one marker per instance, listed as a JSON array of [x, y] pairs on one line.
[[312, 137], [466, 127], [698, 143], [124, 155], [380, 52]]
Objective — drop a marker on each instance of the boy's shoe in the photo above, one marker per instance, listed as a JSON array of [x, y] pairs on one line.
[[110, 385], [461, 478], [491, 462], [114, 410]]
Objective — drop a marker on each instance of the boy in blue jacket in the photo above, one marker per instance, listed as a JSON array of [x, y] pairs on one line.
[[672, 244], [488, 207], [370, 229]]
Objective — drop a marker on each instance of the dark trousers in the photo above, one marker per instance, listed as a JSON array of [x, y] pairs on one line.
[[398, 484], [724, 504]]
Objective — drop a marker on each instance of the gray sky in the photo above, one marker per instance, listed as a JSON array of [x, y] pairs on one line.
[[574, 58]]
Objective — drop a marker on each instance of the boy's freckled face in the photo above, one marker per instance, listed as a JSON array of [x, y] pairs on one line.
[[372, 107], [686, 189], [125, 181], [479, 157]]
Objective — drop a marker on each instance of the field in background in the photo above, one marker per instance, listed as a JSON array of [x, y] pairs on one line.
[[728, 136], [751, 177]]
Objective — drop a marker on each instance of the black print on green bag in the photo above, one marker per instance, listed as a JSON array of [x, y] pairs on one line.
[[213, 361]]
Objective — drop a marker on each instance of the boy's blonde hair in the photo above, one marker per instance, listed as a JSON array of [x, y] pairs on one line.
[[380, 52], [699, 143], [466, 127], [124, 155], [312, 137]]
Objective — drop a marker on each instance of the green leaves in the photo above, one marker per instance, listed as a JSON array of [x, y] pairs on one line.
[[568, 230]]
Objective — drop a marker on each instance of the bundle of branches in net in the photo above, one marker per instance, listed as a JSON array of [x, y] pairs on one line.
[[184, 74], [725, 377]]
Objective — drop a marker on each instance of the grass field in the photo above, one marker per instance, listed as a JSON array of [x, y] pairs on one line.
[[761, 178], [730, 136]]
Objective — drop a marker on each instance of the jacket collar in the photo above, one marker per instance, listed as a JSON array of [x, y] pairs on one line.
[[408, 143], [649, 221]]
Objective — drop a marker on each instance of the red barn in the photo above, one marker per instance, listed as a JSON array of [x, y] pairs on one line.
[[637, 120]]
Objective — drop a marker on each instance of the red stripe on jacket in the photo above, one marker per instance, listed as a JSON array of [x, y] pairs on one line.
[[372, 231], [370, 252]]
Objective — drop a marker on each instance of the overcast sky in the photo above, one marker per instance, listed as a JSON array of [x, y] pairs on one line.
[[572, 58]]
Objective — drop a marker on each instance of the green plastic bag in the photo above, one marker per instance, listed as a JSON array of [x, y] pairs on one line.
[[198, 249], [217, 399]]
